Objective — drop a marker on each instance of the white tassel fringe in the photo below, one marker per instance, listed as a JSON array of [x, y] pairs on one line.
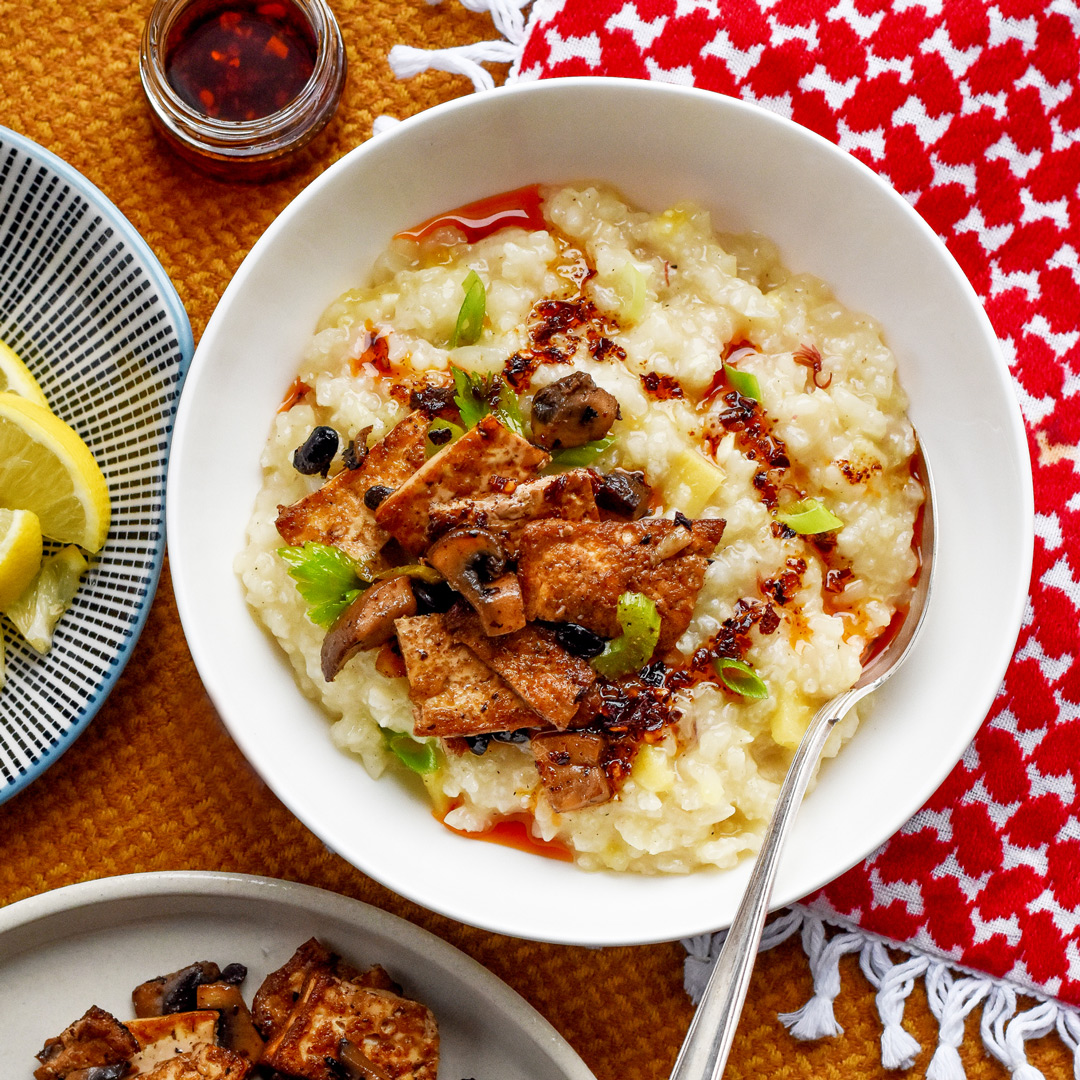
[[953, 995], [406, 61]]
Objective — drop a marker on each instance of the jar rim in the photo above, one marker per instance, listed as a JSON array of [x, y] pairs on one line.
[[275, 134]]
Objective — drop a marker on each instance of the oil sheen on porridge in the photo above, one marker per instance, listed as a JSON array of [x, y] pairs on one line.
[[610, 505]]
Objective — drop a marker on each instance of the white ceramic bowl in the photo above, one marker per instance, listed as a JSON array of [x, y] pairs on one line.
[[658, 144], [91, 312]]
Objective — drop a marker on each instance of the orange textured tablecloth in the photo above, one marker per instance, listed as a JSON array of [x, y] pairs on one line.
[[155, 782]]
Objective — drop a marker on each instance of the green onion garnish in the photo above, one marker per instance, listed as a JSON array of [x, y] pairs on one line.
[[740, 678], [420, 757], [413, 570], [434, 445], [470, 319], [744, 382], [808, 517], [633, 649], [327, 578], [579, 456]]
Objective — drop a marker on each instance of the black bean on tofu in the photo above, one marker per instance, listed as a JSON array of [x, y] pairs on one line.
[[571, 412]]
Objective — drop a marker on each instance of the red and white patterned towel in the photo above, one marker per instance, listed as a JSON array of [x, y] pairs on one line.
[[972, 111]]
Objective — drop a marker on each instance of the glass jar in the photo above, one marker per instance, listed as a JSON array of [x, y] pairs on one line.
[[261, 140]]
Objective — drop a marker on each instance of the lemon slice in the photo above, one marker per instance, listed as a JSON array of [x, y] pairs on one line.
[[20, 553], [15, 376], [47, 468], [36, 613]]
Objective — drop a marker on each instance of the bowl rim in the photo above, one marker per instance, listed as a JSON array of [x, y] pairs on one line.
[[180, 322], [1014, 435]]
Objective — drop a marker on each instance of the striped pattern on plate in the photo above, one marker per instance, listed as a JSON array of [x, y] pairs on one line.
[[91, 312]]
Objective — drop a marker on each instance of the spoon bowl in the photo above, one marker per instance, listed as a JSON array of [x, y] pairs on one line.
[[708, 1041]]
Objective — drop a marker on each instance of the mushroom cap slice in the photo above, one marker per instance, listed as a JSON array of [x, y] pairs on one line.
[[572, 411], [473, 560], [368, 621]]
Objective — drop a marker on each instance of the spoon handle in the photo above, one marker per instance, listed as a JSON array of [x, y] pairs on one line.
[[705, 1049]]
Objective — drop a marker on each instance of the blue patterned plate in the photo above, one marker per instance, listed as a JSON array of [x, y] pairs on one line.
[[91, 312]]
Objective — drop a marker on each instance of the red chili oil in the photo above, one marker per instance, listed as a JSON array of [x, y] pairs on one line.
[[240, 60], [476, 220], [294, 395], [516, 832]]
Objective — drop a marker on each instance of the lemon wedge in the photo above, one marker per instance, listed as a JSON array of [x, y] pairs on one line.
[[15, 377], [36, 613], [45, 467], [20, 553]]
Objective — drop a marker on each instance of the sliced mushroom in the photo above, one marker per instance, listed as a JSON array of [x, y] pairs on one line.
[[236, 1030], [474, 563], [175, 992], [571, 412], [368, 621], [100, 1072], [624, 493]]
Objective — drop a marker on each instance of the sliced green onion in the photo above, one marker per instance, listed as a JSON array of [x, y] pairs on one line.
[[579, 456], [633, 649], [470, 319], [740, 679], [327, 578], [420, 757], [432, 447], [808, 517], [745, 382], [413, 570]]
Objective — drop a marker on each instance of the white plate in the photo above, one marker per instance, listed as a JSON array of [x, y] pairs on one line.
[[92, 944], [658, 143]]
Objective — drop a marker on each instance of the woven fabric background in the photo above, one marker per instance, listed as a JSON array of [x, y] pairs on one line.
[[155, 783]]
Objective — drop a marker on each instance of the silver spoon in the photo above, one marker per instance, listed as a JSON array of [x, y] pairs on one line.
[[705, 1049]]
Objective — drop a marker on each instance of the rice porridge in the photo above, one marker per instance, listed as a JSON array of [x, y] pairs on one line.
[[575, 514]]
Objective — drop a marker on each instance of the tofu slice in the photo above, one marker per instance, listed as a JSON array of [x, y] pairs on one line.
[[162, 1038], [576, 571], [570, 769], [281, 989], [336, 513], [486, 459], [453, 691], [205, 1062], [96, 1039], [397, 1035], [543, 674], [568, 496]]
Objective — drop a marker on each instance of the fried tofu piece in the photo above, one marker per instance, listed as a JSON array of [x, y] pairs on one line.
[[487, 458], [571, 773], [397, 1035], [96, 1039], [336, 513], [205, 1062], [162, 1038], [281, 989], [543, 674], [453, 691], [568, 496], [576, 571]]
